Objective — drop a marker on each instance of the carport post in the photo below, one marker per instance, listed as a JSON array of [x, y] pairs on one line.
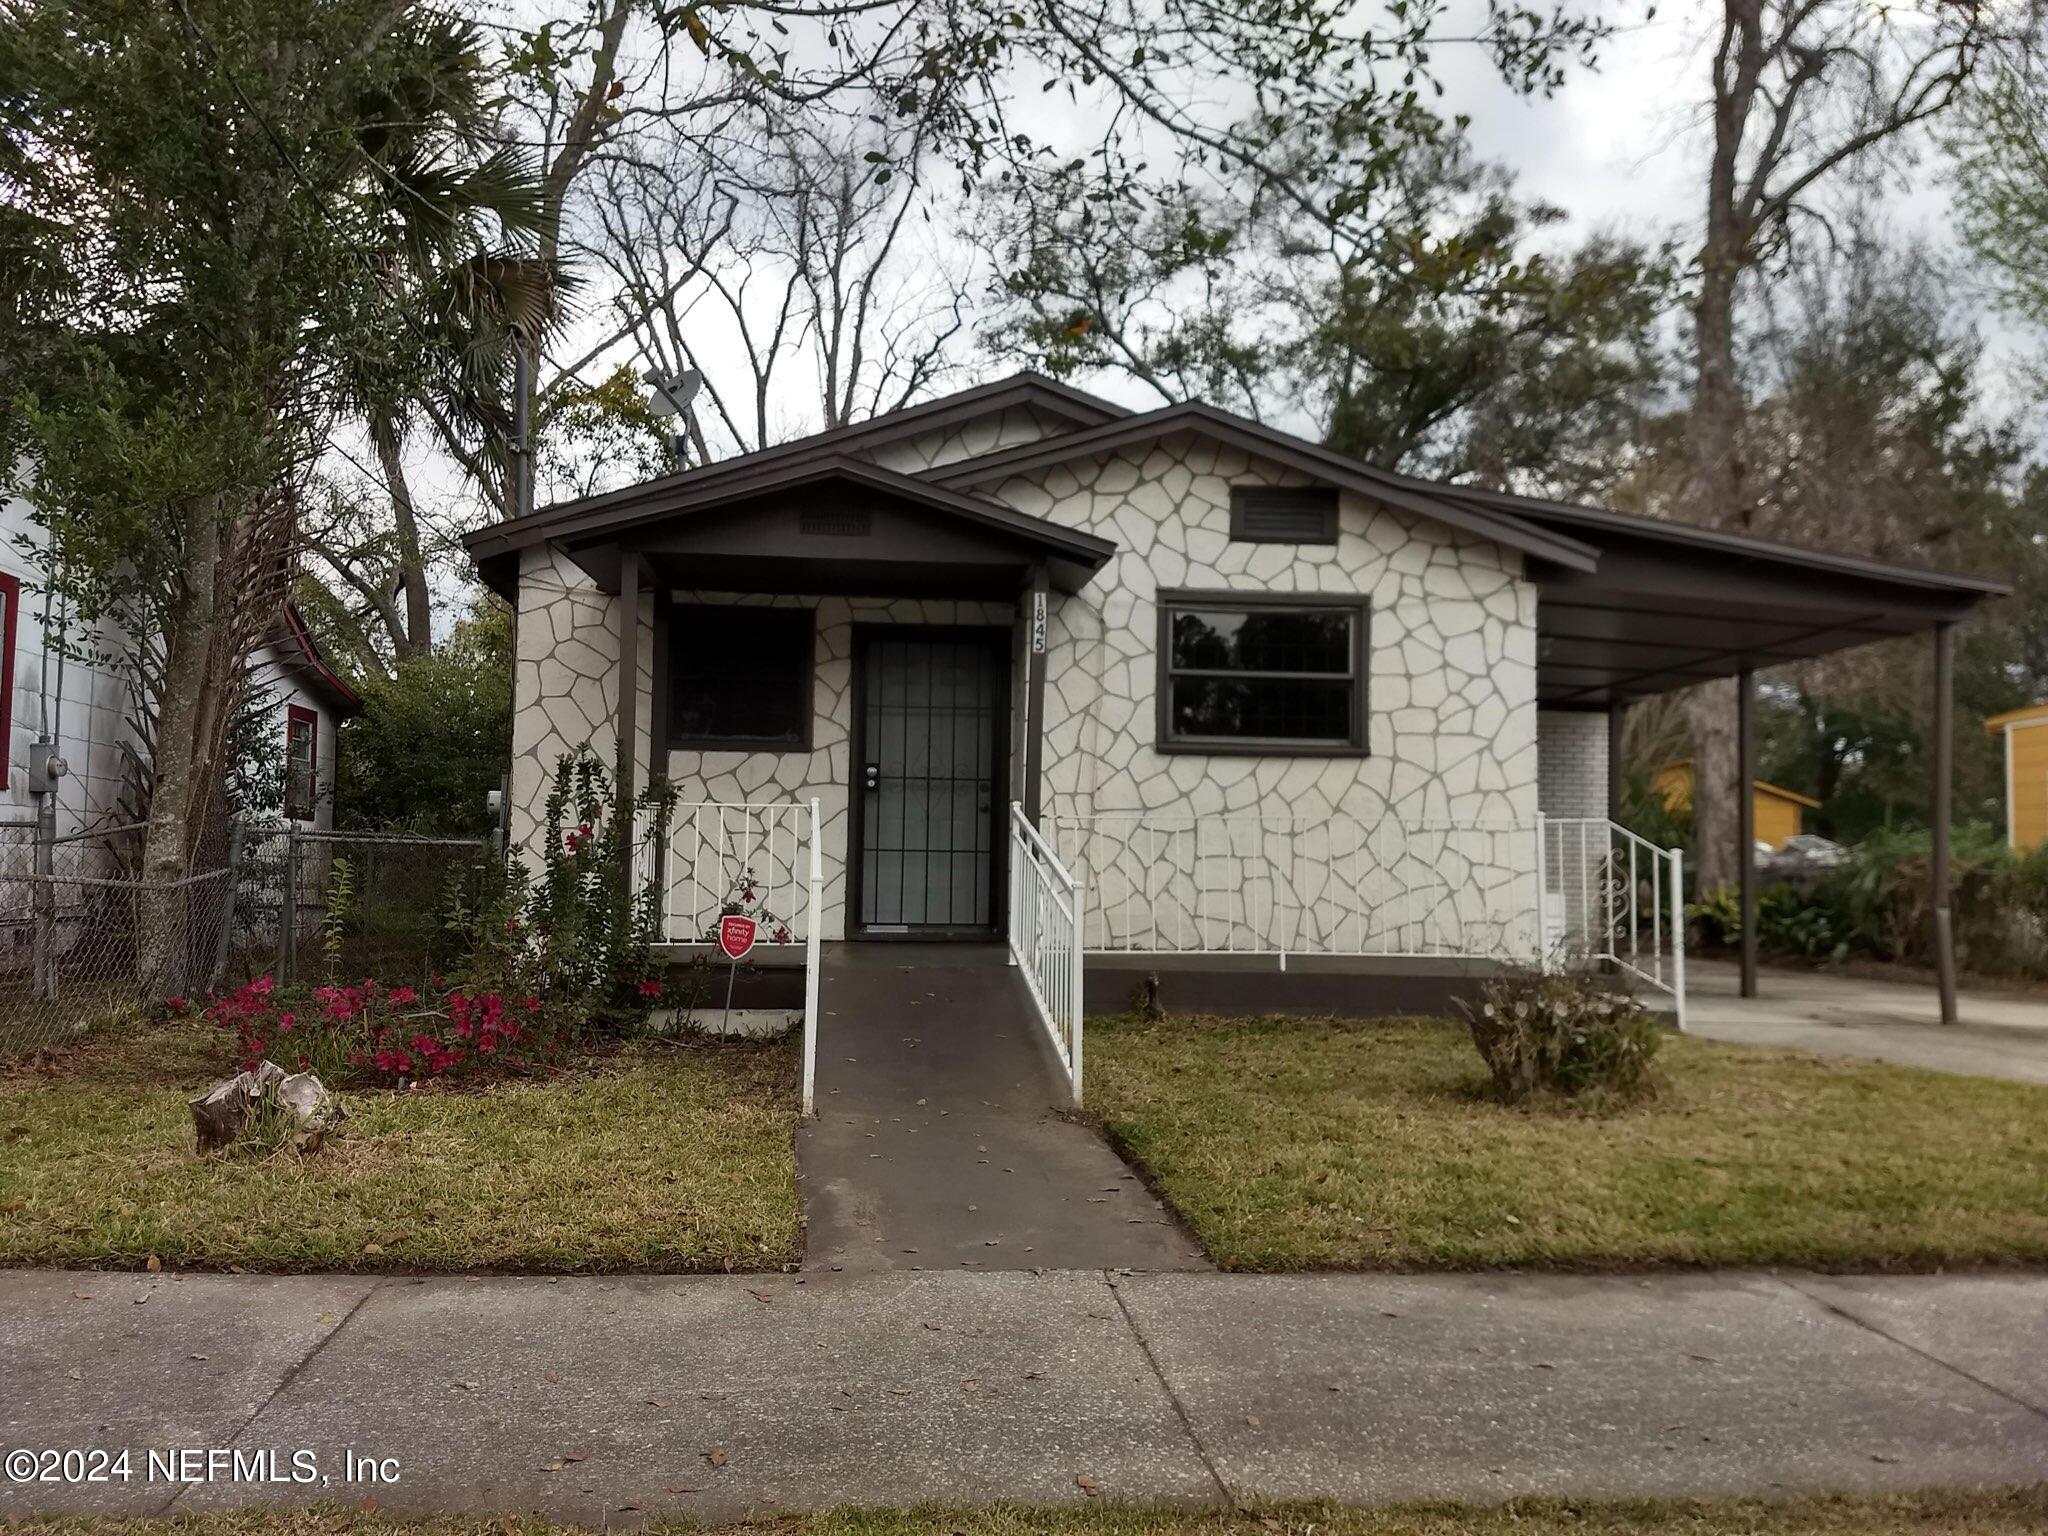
[[1944, 772], [1615, 783], [1745, 818]]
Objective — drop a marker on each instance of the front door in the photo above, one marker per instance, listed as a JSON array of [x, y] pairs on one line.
[[928, 776]]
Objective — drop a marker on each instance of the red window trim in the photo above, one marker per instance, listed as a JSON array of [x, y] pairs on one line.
[[296, 715], [10, 593]]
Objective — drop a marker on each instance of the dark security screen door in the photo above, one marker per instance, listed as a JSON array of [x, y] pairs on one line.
[[928, 776]]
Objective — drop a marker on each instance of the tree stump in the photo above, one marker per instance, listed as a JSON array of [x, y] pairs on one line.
[[220, 1114]]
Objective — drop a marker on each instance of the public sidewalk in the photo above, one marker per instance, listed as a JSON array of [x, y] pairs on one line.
[[604, 1401]]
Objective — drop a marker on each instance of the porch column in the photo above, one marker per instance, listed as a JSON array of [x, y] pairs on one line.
[[1944, 772], [1615, 778], [629, 672], [1037, 606], [1745, 818]]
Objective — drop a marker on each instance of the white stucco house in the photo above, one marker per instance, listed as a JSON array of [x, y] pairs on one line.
[[1248, 698]]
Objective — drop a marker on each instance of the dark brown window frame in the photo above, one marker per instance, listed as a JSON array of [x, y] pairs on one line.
[[1241, 535], [679, 741], [1164, 741]]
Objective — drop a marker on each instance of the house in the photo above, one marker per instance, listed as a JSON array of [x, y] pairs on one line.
[[306, 699], [1218, 697], [1780, 812], [2025, 734], [66, 682]]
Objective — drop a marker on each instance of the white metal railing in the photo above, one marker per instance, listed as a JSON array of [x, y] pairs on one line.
[[760, 858], [1547, 891], [1612, 897], [1046, 927], [737, 856]]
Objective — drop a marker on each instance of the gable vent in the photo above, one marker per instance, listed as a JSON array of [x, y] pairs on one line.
[[1272, 514], [838, 522]]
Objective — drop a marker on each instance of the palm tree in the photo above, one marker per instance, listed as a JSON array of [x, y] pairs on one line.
[[461, 210]]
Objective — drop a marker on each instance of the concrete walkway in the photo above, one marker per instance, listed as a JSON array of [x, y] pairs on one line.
[[937, 1144], [2000, 1035], [606, 1401]]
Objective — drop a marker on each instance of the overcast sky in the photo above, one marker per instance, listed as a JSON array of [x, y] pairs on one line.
[[1620, 149]]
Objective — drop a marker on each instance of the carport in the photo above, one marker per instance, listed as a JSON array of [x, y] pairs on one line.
[[1669, 606]]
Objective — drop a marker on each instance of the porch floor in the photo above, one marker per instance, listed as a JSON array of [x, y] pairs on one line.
[[937, 1143]]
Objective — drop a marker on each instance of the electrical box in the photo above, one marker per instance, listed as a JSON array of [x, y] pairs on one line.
[[45, 767]]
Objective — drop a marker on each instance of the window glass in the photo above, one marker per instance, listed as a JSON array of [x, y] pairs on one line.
[[301, 772], [1286, 676], [739, 676]]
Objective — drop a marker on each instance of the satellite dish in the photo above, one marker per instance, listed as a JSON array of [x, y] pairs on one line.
[[673, 392]]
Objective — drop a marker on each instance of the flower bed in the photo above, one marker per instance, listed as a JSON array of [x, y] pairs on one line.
[[368, 1034]]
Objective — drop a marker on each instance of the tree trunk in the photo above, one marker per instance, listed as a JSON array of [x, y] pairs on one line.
[[1718, 494], [1710, 715], [180, 791], [412, 565]]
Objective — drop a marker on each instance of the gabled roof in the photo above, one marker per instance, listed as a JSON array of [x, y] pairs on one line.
[[1682, 770], [1060, 401], [1399, 491], [2026, 714], [298, 652]]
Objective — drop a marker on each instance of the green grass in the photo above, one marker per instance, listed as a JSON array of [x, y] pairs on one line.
[[659, 1157], [1292, 1144], [1987, 1512]]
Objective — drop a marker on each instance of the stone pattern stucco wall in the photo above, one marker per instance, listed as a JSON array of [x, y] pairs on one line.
[[1011, 428], [565, 682], [1424, 845]]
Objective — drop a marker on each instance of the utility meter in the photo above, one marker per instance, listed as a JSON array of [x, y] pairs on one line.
[[45, 767]]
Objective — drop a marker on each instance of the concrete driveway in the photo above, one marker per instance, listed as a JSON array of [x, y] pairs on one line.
[[2001, 1034]]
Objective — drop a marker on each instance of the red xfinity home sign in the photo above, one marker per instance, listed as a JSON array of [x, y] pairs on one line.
[[736, 936]]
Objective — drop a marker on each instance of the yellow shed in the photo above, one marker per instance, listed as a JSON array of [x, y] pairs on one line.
[[1780, 812], [2026, 772]]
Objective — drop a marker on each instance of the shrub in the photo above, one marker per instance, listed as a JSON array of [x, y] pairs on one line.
[[372, 1035], [590, 923], [1876, 903], [1561, 1034]]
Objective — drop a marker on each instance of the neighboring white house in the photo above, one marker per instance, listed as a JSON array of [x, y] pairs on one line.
[[1259, 697], [63, 681]]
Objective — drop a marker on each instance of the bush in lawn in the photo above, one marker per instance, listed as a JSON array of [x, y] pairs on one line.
[[1563, 1035], [369, 1035]]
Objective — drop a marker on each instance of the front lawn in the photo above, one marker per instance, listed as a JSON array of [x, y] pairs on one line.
[[1292, 1144], [660, 1157], [1975, 1512]]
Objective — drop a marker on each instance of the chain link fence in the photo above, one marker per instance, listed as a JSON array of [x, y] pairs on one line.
[[84, 935]]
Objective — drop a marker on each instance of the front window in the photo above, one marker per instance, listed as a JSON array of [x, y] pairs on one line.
[[301, 762], [1240, 675], [740, 678]]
